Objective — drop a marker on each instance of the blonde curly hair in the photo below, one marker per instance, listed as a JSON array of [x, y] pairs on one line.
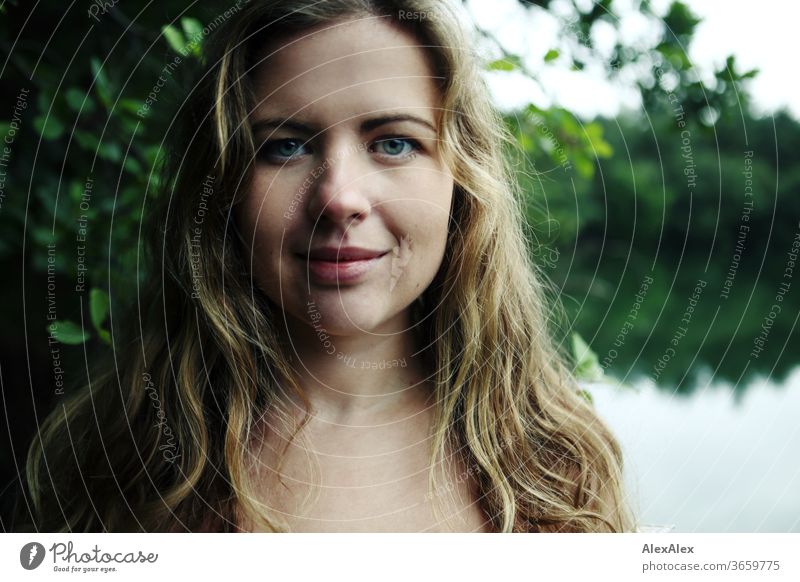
[[205, 361]]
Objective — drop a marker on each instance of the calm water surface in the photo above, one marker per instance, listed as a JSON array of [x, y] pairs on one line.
[[711, 462]]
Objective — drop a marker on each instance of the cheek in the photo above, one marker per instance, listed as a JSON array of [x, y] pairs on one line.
[[422, 236], [261, 225], [433, 213], [263, 213]]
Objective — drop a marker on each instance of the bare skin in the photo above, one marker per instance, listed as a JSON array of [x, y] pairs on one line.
[[365, 478], [368, 437]]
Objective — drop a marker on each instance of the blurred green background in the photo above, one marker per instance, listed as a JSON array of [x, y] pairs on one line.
[[635, 219]]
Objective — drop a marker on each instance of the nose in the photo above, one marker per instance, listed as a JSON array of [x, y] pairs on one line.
[[339, 194]]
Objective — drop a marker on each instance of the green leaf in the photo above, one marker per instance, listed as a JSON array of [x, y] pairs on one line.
[[86, 140], [42, 235], [130, 106], [531, 109], [175, 39], [75, 191], [583, 164], [48, 127], [68, 332], [680, 21], [525, 142], [78, 100], [104, 336], [154, 154], [508, 63], [587, 366], [133, 166], [110, 151], [193, 30], [749, 74], [602, 149], [98, 307], [101, 82], [551, 55]]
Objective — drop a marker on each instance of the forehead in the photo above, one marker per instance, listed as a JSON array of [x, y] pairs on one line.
[[346, 69]]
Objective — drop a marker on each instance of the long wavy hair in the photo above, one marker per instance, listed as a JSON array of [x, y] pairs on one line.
[[161, 439]]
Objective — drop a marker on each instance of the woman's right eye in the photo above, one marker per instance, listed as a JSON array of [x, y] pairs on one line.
[[282, 150]]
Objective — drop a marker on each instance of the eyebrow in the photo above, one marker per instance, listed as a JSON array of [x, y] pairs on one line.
[[366, 125]]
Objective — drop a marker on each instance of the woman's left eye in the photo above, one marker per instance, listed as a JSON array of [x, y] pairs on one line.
[[397, 147]]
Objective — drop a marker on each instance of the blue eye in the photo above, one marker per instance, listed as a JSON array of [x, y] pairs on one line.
[[282, 149], [397, 146]]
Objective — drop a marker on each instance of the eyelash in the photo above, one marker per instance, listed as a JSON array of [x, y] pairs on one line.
[[264, 154]]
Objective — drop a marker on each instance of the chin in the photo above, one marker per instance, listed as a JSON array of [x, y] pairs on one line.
[[344, 314]]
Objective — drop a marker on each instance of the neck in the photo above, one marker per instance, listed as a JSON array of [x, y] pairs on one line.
[[347, 377]]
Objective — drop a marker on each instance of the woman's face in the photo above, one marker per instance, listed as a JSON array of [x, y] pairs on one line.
[[346, 214]]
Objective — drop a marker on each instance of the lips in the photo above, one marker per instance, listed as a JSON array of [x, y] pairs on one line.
[[341, 264], [340, 254]]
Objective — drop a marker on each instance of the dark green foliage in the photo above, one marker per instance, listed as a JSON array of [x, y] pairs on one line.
[[605, 198]]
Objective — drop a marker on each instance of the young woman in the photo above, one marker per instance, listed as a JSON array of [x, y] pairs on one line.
[[343, 329]]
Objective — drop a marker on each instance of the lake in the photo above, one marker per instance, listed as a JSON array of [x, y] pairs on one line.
[[718, 460]]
